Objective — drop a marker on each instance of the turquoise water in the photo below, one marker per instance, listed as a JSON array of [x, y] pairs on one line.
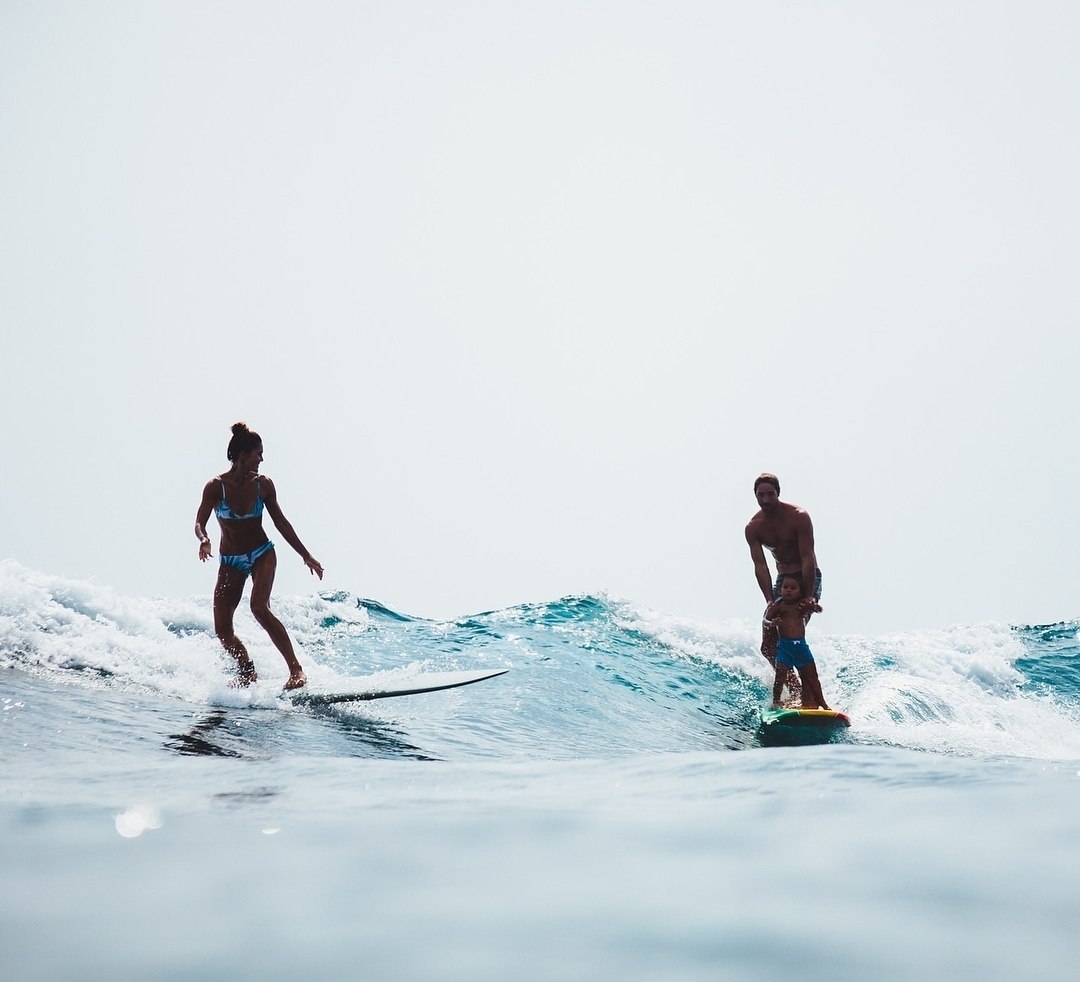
[[606, 809]]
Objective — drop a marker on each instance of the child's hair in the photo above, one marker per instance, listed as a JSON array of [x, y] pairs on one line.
[[797, 579]]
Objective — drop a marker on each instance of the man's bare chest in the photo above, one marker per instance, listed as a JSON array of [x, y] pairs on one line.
[[778, 536]]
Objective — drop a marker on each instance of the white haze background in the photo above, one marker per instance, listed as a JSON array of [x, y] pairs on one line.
[[522, 296]]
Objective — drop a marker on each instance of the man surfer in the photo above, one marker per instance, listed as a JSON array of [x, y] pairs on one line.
[[787, 532]]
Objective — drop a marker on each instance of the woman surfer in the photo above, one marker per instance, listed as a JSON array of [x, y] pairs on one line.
[[238, 498]]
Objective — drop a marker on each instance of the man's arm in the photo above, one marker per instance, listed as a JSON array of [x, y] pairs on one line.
[[805, 531], [761, 568]]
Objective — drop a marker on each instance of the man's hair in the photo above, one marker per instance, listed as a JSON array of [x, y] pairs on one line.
[[767, 479]]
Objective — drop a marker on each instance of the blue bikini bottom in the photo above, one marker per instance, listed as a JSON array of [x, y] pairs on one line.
[[245, 561]]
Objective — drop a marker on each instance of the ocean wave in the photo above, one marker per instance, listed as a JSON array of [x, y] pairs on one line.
[[591, 675]]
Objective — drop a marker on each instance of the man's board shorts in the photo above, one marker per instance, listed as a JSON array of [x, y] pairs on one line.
[[793, 653], [798, 576]]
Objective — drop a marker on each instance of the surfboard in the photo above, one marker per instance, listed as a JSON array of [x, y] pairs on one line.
[[801, 727], [822, 719], [381, 689]]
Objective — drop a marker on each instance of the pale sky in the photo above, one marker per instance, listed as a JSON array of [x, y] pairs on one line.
[[522, 296]]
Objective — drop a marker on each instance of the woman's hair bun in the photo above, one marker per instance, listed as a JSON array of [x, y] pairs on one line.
[[243, 439]]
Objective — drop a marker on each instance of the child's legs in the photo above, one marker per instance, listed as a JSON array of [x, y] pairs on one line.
[[768, 649], [813, 697], [778, 683]]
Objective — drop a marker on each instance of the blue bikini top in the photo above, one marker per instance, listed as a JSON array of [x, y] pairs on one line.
[[223, 511]]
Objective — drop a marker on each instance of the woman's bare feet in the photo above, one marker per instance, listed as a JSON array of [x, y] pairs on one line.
[[297, 680], [245, 674]]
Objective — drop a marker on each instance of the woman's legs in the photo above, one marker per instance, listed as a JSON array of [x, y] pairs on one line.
[[262, 583], [227, 593]]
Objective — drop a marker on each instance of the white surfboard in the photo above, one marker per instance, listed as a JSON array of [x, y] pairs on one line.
[[381, 689]]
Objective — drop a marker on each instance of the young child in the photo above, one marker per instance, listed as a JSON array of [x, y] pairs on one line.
[[788, 616]]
